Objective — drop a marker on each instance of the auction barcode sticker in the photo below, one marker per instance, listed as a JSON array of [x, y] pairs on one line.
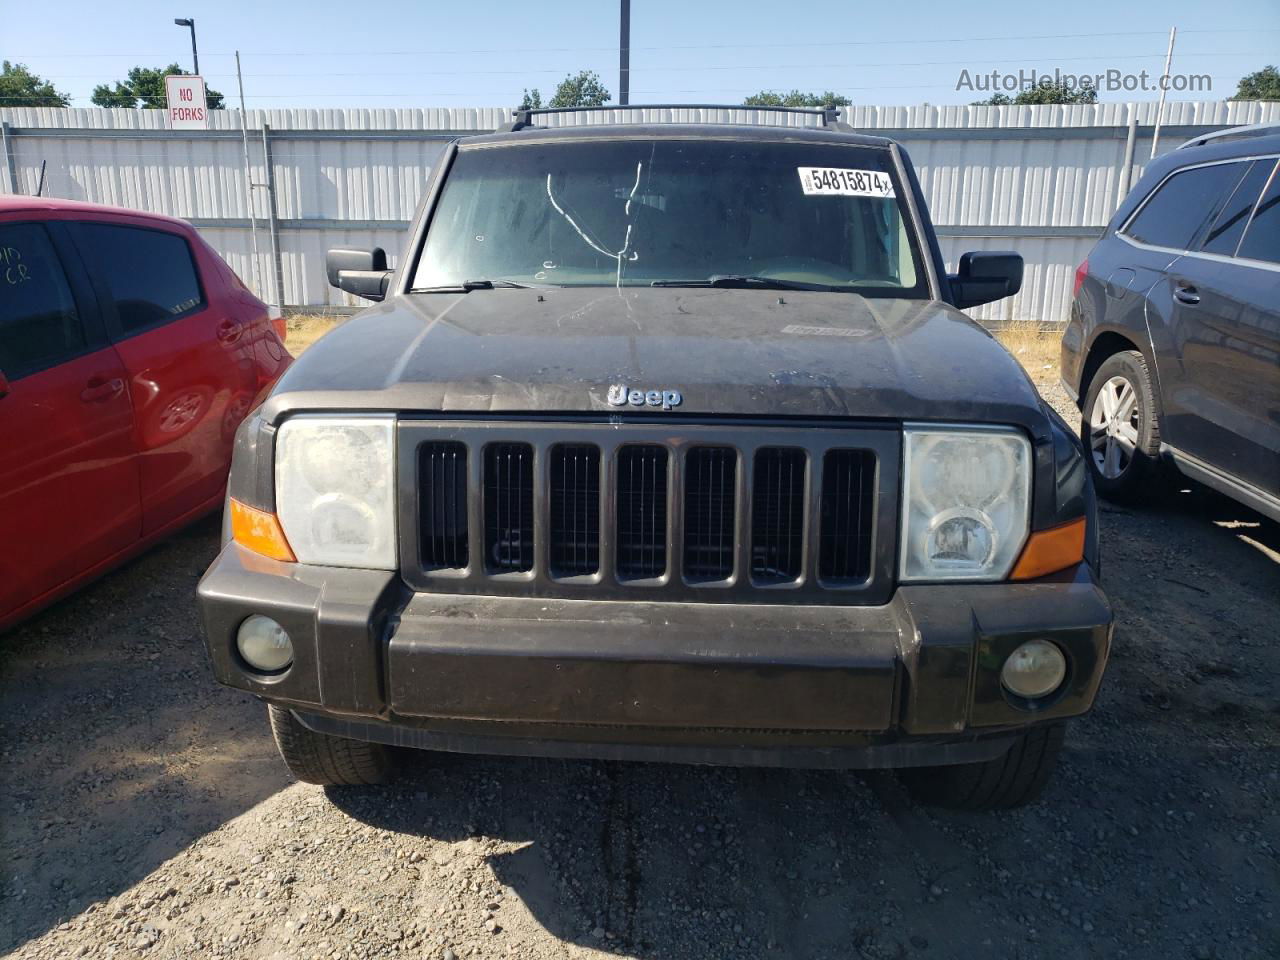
[[834, 181]]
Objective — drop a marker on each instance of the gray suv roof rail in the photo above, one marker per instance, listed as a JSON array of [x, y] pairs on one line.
[[523, 117], [1233, 133]]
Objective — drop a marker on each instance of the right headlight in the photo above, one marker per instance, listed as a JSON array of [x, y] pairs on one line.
[[335, 490], [966, 500]]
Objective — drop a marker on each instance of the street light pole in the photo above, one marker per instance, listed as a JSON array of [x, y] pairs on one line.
[[624, 56], [190, 22]]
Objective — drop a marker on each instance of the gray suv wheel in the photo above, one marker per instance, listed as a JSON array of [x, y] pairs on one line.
[[1120, 427]]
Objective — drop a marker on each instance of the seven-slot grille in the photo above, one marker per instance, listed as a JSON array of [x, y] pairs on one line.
[[577, 512]]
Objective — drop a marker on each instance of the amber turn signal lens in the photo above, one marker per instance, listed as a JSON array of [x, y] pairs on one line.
[[1048, 551], [259, 531]]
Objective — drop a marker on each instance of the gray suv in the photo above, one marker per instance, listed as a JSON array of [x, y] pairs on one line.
[[1173, 345], [666, 442]]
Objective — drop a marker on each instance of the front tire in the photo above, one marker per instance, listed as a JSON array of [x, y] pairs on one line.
[[329, 761], [1011, 780], [1120, 428]]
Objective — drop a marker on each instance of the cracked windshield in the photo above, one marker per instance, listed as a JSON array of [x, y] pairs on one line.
[[672, 212]]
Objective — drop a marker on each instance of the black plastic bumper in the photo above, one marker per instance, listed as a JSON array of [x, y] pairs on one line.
[[915, 681]]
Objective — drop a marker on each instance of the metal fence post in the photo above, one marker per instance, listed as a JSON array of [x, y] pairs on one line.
[[1126, 168], [272, 219], [9, 163]]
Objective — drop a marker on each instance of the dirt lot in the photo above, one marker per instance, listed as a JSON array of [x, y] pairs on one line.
[[144, 811]]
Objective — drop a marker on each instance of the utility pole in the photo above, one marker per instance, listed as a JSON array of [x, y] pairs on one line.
[[191, 23], [248, 183], [273, 223], [624, 56], [1164, 83]]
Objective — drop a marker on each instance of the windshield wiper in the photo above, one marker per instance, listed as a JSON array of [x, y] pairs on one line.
[[466, 286], [745, 282]]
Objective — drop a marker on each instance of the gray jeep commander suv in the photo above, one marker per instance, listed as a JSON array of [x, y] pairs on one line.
[[1173, 345], [667, 442]]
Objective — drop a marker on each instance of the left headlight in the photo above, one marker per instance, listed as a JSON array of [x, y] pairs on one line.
[[966, 501], [335, 483]]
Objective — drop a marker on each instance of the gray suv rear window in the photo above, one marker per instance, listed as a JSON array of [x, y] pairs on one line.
[[1224, 236], [1182, 204], [1262, 239]]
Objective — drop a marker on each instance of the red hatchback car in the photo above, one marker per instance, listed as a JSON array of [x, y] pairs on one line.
[[129, 354]]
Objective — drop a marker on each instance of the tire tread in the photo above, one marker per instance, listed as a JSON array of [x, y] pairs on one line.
[[329, 761], [1015, 778], [1141, 478]]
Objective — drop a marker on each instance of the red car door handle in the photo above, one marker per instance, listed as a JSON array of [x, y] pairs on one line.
[[229, 331], [99, 389]]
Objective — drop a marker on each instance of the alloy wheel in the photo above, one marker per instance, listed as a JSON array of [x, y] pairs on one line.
[[1113, 427]]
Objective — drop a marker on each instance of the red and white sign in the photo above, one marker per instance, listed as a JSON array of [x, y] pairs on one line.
[[188, 108]]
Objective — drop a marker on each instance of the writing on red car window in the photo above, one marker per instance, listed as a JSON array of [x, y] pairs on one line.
[[15, 271]]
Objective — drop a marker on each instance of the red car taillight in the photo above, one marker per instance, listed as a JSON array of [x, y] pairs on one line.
[[1082, 271]]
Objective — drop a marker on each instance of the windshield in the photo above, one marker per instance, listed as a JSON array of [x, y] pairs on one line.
[[639, 212]]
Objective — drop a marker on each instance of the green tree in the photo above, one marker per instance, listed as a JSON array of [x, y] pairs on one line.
[[19, 87], [144, 87], [1042, 94], [1264, 84], [582, 89], [532, 100], [796, 98]]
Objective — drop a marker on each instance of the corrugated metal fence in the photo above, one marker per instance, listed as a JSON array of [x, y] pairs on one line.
[[1039, 180]]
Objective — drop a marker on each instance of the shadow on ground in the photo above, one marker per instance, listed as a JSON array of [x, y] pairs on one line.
[[1151, 839], [118, 749]]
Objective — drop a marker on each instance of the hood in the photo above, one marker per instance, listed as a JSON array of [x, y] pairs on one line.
[[746, 353]]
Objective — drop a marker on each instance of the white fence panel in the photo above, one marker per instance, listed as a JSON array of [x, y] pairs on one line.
[[1039, 180]]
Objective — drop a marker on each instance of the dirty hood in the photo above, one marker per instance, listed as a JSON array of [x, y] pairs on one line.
[[745, 353]]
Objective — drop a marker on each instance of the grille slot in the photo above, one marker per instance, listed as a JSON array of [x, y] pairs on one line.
[[642, 512], [777, 515], [710, 482], [442, 472], [848, 484], [508, 507], [575, 510]]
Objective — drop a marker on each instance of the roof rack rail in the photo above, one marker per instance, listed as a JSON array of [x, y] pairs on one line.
[[1233, 133], [522, 118]]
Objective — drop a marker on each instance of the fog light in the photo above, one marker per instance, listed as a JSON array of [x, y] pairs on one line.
[[264, 644], [1035, 669]]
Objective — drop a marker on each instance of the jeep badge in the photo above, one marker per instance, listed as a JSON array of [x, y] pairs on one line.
[[620, 396]]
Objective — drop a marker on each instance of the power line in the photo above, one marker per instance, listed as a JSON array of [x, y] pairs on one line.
[[692, 69], [665, 47]]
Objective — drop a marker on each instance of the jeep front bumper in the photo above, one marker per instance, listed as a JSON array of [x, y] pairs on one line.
[[915, 681]]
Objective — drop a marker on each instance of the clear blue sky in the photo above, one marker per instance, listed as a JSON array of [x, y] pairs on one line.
[[320, 53]]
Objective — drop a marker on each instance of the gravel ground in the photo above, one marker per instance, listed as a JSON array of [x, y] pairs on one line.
[[145, 813]]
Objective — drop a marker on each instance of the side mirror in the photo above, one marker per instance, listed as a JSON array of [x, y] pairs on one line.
[[985, 276], [362, 272], [4, 384]]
